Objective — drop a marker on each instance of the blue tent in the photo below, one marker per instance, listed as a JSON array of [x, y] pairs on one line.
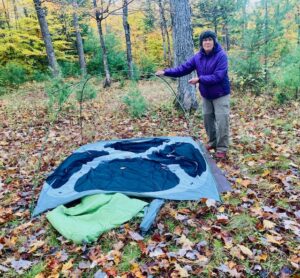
[[170, 168]]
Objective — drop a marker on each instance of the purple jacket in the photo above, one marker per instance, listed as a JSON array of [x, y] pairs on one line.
[[212, 70]]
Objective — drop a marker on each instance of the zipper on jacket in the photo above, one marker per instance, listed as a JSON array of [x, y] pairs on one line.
[[205, 71]]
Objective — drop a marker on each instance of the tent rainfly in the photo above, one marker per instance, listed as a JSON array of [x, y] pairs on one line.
[[170, 168]]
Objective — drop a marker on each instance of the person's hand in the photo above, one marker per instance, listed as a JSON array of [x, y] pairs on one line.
[[160, 73], [194, 81]]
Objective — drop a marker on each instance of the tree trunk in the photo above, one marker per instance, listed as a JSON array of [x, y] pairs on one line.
[[226, 42], [107, 80], [298, 23], [165, 35], [46, 37], [183, 49], [79, 43], [266, 39], [127, 38], [25, 12], [16, 13], [216, 26], [244, 12], [6, 13]]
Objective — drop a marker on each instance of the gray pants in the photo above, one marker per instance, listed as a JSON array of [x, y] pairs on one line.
[[216, 122]]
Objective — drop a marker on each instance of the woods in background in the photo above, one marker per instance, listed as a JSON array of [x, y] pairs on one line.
[[130, 39]]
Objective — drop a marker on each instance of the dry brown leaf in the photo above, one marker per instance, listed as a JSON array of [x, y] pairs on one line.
[[181, 271], [40, 275], [178, 230], [265, 173], [261, 258], [268, 224], [36, 245], [236, 252], [118, 246], [245, 183], [186, 243], [274, 239], [68, 265], [246, 251]]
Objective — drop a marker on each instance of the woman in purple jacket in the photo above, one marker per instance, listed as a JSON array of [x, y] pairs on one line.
[[211, 64]]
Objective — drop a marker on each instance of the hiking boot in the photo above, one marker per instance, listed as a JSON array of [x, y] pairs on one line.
[[209, 147], [221, 155]]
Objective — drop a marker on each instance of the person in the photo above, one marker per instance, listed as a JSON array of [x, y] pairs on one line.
[[211, 65]]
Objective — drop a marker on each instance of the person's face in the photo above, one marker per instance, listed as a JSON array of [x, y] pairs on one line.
[[208, 45]]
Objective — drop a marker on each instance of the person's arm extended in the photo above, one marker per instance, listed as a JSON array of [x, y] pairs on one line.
[[181, 70], [219, 73]]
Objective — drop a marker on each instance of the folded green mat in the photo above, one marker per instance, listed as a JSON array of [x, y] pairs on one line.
[[94, 215]]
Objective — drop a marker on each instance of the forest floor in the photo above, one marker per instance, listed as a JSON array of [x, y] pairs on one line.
[[254, 232]]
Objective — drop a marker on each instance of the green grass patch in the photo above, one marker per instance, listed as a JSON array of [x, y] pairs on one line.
[[130, 254], [52, 237], [171, 225], [275, 262], [234, 201], [35, 270], [197, 236], [282, 203], [218, 253], [106, 243], [267, 131], [281, 164], [245, 139], [242, 225]]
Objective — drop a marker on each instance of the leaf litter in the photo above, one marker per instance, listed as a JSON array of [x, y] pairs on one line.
[[255, 231]]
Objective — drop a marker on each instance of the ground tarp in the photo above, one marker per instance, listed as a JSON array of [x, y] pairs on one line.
[[171, 168]]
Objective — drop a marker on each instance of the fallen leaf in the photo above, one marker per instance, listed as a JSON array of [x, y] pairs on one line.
[[222, 219], [236, 252], [84, 265], [118, 246], [268, 224], [274, 239], [36, 245], [67, 265], [20, 265], [186, 243], [135, 236], [3, 268], [211, 203], [246, 251], [232, 272], [181, 271], [261, 258], [245, 183], [265, 173], [100, 274], [156, 252], [178, 230]]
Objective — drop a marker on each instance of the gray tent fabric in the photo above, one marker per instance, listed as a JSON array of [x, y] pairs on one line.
[[223, 184], [150, 214], [169, 168]]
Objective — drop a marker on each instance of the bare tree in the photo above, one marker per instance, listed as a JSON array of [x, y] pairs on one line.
[[15, 12], [46, 37], [100, 13], [266, 39], [165, 34], [6, 13], [79, 43], [183, 48], [127, 38]]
